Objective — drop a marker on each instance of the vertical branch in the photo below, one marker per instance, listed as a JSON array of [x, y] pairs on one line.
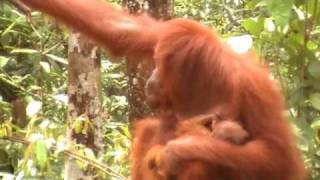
[[84, 90], [300, 110], [308, 28], [139, 70]]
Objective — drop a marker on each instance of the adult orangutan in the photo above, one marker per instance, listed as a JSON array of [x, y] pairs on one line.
[[196, 73]]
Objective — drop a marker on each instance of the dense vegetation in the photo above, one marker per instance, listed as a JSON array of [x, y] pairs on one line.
[[33, 65]]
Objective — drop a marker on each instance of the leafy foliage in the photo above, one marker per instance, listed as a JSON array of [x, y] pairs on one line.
[[33, 67]]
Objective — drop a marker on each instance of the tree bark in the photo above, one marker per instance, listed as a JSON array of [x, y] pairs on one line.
[[19, 113], [84, 90], [139, 70]]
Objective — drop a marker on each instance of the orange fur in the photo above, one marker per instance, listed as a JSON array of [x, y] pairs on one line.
[[198, 74], [228, 130], [203, 125]]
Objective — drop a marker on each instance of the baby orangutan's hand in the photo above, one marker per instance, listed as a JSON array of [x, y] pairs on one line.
[[162, 162]]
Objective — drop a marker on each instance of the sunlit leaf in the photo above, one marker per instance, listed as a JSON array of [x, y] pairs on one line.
[[314, 69], [8, 29], [78, 124], [311, 45], [24, 51], [61, 98], [6, 176], [3, 132], [280, 10], [33, 108], [269, 25], [45, 66], [35, 137], [254, 25], [89, 153], [316, 124], [255, 3], [316, 128], [315, 100], [41, 153], [240, 44], [3, 61], [57, 58], [61, 146]]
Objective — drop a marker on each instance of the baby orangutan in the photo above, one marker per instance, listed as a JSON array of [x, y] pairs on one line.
[[202, 125], [228, 130]]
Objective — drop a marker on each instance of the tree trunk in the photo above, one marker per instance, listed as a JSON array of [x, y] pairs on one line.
[[84, 90], [19, 113], [139, 70]]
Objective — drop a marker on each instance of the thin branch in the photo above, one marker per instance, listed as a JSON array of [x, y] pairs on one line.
[[22, 7], [94, 163]]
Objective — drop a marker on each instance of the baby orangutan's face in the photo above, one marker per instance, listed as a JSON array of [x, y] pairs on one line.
[[227, 130]]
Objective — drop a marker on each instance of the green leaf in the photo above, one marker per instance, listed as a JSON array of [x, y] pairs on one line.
[[315, 100], [280, 10], [45, 66], [3, 132], [57, 59], [269, 25], [77, 127], [253, 4], [305, 128], [41, 154], [7, 176], [3, 61], [254, 25], [33, 108], [78, 124], [314, 69], [8, 29], [89, 153], [240, 44], [311, 45], [24, 51], [316, 124], [296, 39]]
